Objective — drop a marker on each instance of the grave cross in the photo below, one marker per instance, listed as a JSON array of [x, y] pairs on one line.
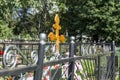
[[55, 36]]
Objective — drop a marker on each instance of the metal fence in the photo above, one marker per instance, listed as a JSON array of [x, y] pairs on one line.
[[76, 61]]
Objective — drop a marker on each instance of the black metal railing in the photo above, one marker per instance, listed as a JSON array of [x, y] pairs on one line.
[[76, 61]]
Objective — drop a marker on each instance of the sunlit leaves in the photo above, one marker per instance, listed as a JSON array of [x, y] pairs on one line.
[[5, 32], [94, 18]]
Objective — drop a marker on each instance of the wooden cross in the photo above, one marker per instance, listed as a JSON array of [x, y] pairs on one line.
[[56, 37]]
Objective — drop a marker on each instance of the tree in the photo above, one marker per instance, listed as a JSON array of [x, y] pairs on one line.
[[25, 16], [5, 32], [97, 18], [94, 18]]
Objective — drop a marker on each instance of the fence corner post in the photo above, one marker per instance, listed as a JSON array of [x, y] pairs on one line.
[[71, 64], [39, 70], [113, 61]]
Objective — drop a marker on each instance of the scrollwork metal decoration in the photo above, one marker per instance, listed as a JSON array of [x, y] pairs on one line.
[[11, 53], [34, 57], [10, 56]]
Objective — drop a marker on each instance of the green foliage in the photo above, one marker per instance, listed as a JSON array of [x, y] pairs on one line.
[[5, 32], [93, 18], [89, 17], [15, 15]]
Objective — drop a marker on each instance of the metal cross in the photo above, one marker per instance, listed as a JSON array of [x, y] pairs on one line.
[[56, 37]]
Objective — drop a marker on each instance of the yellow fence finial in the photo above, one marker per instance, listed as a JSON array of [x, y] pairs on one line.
[[55, 36]]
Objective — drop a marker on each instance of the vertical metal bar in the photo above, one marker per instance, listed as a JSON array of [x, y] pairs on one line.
[[113, 61], [32, 47], [81, 49], [2, 56], [39, 70], [119, 73], [71, 66], [98, 69], [103, 47]]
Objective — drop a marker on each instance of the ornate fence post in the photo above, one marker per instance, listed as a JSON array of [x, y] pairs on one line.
[[39, 70], [113, 61], [71, 64]]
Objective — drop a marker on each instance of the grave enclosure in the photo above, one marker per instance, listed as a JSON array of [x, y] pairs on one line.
[[77, 61]]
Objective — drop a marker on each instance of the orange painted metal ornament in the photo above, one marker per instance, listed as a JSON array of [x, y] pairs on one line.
[[55, 36]]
